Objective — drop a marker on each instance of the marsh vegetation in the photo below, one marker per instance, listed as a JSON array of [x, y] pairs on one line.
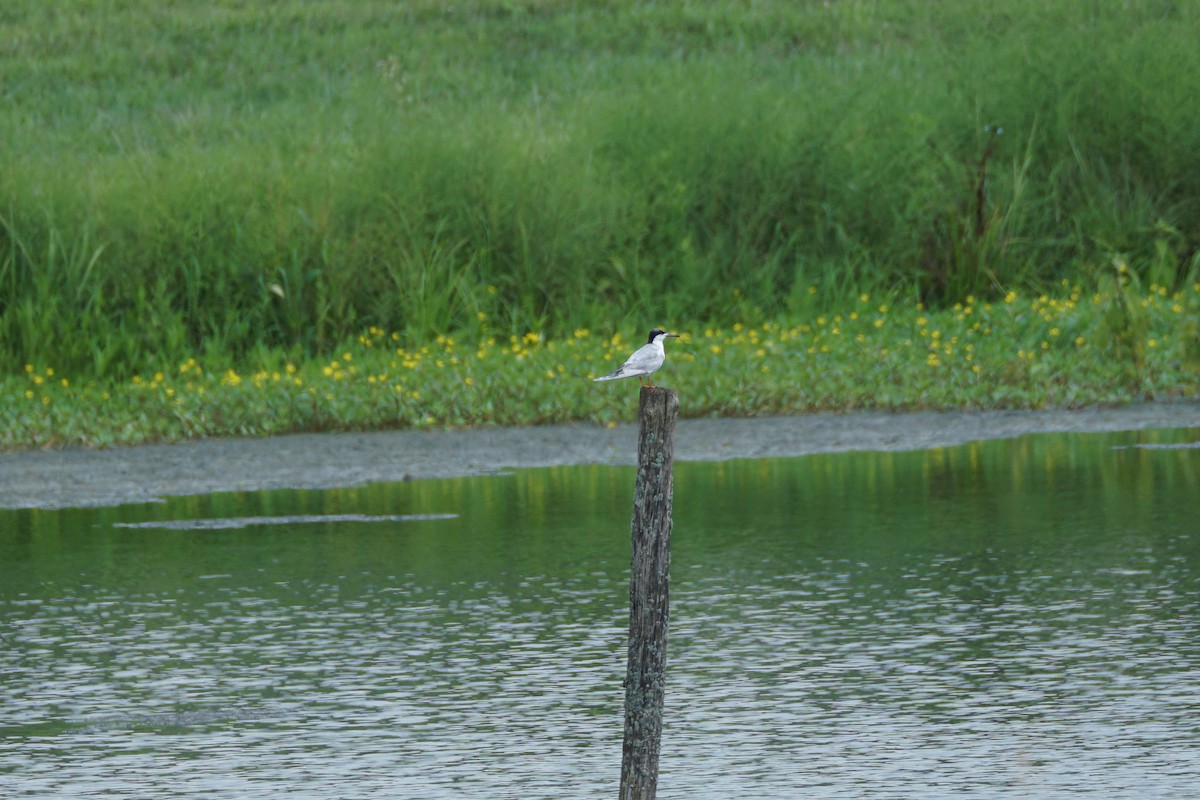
[[243, 187]]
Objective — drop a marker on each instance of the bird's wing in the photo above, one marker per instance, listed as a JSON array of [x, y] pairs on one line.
[[623, 371], [641, 358], [642, 362]]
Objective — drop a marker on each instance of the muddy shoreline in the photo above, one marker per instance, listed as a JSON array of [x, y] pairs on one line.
[[80, 477]]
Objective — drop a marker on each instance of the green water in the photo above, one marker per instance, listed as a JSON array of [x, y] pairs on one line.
[[1006, 619]]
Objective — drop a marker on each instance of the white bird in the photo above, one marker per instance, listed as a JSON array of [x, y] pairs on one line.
[[646, 359]]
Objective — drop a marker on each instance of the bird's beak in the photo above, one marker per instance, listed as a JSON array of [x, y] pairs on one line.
[[672, 335]]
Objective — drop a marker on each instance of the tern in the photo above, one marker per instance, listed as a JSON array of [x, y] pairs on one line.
[[645, 359]]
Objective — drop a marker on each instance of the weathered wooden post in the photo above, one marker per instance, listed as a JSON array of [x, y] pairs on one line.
[[649, 602]]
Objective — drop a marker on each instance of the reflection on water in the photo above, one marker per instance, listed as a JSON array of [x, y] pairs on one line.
[[1007, 619]]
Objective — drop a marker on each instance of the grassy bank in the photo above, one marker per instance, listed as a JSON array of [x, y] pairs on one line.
[[257, 183], [236, 218], [1070, 348]]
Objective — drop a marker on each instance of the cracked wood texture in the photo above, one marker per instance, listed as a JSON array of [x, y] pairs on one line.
[[649, 602]]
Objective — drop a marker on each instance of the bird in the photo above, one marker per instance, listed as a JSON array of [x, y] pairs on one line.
[[645, 359]]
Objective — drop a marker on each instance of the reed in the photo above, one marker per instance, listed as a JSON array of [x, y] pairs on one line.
[[231, 179]]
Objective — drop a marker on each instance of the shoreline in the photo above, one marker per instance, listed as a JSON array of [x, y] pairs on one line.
[[77, 477]]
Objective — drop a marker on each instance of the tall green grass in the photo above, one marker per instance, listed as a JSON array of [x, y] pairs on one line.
[[229, 178]]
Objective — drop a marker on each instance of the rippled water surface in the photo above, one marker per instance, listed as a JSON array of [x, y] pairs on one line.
[[1007, 619]]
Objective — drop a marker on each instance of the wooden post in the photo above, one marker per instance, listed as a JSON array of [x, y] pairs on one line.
[[649, 606]]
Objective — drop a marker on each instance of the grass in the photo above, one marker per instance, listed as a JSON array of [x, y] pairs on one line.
[[250, 185], [1065, 350]]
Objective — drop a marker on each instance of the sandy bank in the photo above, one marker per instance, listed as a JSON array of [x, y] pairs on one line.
[[77, 477]]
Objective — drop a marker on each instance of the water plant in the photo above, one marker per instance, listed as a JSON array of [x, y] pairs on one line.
[[877, 352]]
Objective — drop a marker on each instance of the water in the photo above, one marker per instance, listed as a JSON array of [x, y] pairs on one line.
[[1006, 619]]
